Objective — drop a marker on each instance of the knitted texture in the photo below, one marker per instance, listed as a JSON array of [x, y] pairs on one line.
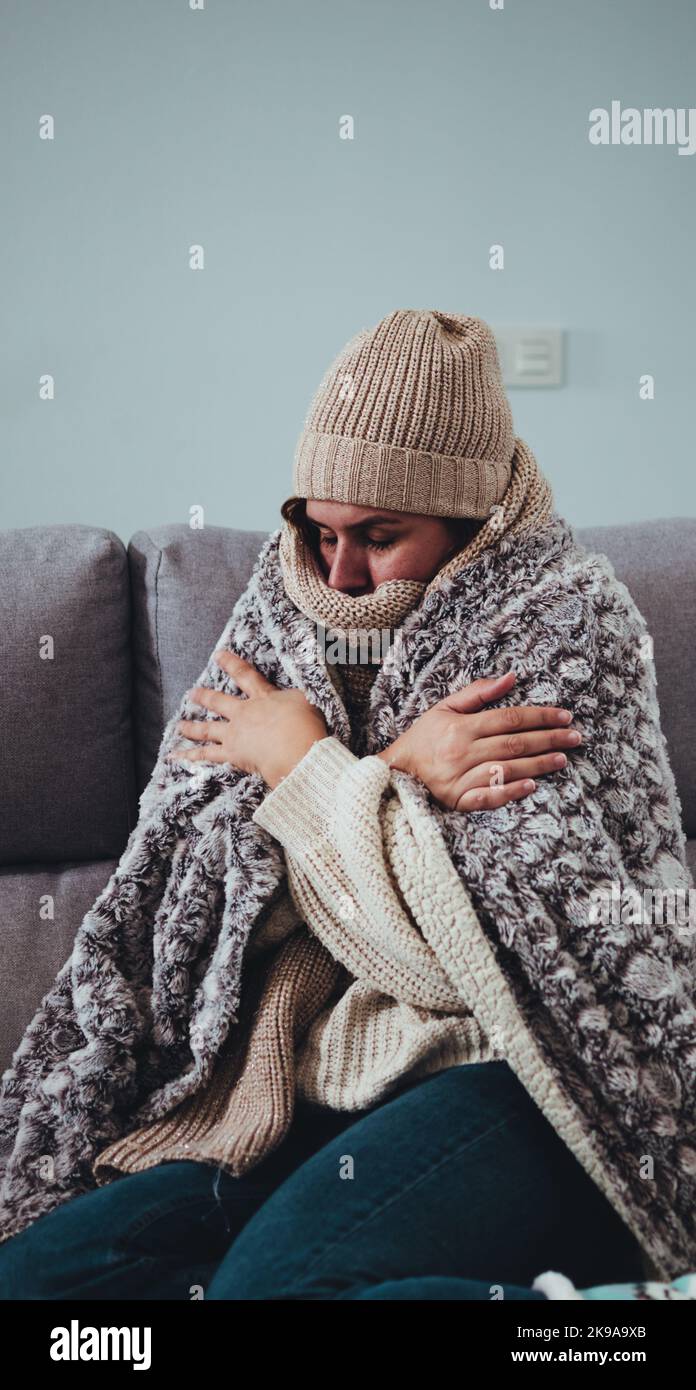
[[411, 415], [354, 874], [598, 1022], [246, 1109]]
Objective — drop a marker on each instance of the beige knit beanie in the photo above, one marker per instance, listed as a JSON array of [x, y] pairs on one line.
[[411, 416]]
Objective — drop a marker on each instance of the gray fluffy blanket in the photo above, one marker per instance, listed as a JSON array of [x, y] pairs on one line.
[[605, 1032]]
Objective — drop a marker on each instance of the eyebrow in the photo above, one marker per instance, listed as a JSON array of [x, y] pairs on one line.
[[376, 520]]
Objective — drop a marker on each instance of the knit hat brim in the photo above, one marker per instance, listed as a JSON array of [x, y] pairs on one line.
[[337, 468]]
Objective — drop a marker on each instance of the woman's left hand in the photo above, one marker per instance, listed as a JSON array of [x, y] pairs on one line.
[[268, 733]]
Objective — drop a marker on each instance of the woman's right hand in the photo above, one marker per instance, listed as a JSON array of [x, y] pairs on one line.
[[474, 759]]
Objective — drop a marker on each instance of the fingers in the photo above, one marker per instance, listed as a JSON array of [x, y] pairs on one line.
[[206, 753], [506, 781], [203, 729], [514, 770], [508, 746], [216, 700], [243, 673], [249, 680], [491, 722], [489, 798], [513, 717], [474, 697]]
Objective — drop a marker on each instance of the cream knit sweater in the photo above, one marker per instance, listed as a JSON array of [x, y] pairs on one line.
[[347, 846]]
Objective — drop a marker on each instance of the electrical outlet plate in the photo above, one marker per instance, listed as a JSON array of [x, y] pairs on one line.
[[529, 355]]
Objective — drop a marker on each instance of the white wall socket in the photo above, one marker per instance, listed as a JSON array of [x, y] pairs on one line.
[[530, 356]]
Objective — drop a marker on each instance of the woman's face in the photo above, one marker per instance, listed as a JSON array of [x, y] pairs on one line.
[[359, 547]]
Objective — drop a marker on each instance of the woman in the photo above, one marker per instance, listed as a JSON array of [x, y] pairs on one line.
[[450, 1182]]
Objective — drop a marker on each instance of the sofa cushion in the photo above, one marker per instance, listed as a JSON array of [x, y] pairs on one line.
[[184, 585], [656, 560], [42, 908], [67, 783]]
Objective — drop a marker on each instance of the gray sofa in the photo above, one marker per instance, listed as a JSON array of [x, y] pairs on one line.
[[98, 644]]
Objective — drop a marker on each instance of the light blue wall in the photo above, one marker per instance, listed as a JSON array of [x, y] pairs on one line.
[[220, 127]]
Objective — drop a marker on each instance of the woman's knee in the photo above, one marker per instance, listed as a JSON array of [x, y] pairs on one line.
[[39, 1261], [70, 1248]]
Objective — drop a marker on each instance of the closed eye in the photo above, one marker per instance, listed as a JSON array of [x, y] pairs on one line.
[[371, 545]]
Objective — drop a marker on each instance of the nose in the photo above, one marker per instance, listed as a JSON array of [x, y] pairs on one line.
[[349, 572]]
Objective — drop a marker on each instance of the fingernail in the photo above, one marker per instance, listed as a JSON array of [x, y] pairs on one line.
[[574, 737], [565, 716], [560, 760], [529, 786]]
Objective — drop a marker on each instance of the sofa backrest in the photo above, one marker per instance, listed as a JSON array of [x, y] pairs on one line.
[[656, 560], [67, 781]]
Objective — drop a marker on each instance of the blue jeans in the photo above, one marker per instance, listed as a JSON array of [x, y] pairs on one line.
[[456, 1187]]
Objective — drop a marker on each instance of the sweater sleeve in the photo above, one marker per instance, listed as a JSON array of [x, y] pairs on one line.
[[346, 837]]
